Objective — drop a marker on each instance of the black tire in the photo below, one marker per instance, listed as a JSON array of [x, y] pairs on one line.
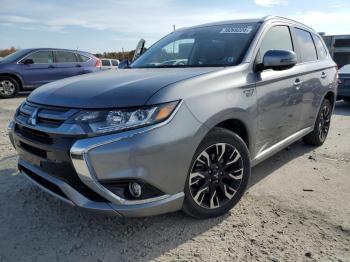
[[9, 87], [322, 124], [347, 99], [224, 180]]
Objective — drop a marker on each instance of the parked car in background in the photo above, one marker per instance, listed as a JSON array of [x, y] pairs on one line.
[[1, 58], [339, 48], [163, 136], [27, 69], [344, 83], [109, 63]]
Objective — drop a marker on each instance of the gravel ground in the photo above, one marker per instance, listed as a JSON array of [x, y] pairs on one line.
[[296, 209]]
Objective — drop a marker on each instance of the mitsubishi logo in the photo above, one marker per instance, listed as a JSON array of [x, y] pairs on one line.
[[33, 118]]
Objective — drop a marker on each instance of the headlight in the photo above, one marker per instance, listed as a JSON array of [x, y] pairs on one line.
[[105, 121]]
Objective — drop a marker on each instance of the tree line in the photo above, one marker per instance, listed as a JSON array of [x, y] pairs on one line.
[[6, 52]]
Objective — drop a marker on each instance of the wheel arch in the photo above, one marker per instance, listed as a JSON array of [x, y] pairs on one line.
[[237, 127], [330, 95]]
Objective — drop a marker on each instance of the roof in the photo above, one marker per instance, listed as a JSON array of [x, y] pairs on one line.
[[252, 20], [50, 48]]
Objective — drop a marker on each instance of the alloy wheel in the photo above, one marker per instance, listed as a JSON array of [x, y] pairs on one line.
[[216, 176], [324, 123], [7, 88]]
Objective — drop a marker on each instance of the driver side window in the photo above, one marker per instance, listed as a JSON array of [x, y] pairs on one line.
[[41, 57], [277, 38], [178, 50]]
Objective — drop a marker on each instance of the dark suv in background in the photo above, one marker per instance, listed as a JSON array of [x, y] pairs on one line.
[[181, 127], [27, 69]]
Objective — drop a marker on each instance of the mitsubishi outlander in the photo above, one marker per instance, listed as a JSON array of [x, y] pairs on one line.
[[181, 126]]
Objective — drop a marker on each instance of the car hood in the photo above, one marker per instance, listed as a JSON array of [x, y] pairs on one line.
[[115, 88]]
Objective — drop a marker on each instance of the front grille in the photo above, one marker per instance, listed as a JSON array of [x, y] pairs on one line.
[[33, 134], [45, 116], [34, 150]]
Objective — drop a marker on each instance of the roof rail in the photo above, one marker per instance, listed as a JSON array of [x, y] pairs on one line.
[[270, 17]]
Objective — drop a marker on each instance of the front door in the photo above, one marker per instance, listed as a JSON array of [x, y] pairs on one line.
[[278, 93], [42, 70]]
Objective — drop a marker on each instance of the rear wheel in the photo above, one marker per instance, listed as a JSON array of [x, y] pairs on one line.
[[321, 128], [8, 87], [218, 176]]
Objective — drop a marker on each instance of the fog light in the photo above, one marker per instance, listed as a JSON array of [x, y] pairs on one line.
[[135, 189]]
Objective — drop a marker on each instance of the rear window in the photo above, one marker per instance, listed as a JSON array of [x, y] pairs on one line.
[[306, 46], [41, 57], [105, 62], [115, 63], [83, 58], [321, 50], [65, 57]]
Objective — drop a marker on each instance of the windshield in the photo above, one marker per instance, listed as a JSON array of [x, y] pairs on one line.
[[14, 56], [219, 45]]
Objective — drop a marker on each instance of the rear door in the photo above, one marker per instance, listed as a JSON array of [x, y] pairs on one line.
[[314, 66], [279, 101], [67, 64], [42, 71]]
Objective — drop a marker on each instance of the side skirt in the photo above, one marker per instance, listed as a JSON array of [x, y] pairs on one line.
[[280, 145]]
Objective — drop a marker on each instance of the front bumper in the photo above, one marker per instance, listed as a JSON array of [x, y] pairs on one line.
[[159, 155]]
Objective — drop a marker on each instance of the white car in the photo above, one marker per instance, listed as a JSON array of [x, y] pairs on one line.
[[109, 63]]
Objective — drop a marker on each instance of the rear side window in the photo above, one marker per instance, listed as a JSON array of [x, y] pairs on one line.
[[41, 57], [321, 50], [306, 46], [277, 38], [115, 63], [105, 62], [83, 58], [65, 57]]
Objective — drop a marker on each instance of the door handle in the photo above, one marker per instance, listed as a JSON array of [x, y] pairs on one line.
[[51, 66], [78, 66], [323, 75], [298, 82]]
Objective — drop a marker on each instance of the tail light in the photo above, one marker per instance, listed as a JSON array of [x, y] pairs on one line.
[[98, 63]]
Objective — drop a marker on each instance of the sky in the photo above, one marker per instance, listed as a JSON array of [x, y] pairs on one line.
[[113, 25]]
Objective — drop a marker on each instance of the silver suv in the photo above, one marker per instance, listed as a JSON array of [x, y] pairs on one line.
[[181, 127]]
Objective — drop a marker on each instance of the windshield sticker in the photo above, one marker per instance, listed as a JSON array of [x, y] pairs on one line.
[[237, 29]]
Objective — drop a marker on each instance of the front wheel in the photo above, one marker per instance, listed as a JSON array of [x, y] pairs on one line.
[[218, 175], [322, 124], [8, 87]]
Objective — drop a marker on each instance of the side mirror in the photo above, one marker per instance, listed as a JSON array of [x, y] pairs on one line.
[[140, 48], [124, 64], [278, 60], [28, 61]]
